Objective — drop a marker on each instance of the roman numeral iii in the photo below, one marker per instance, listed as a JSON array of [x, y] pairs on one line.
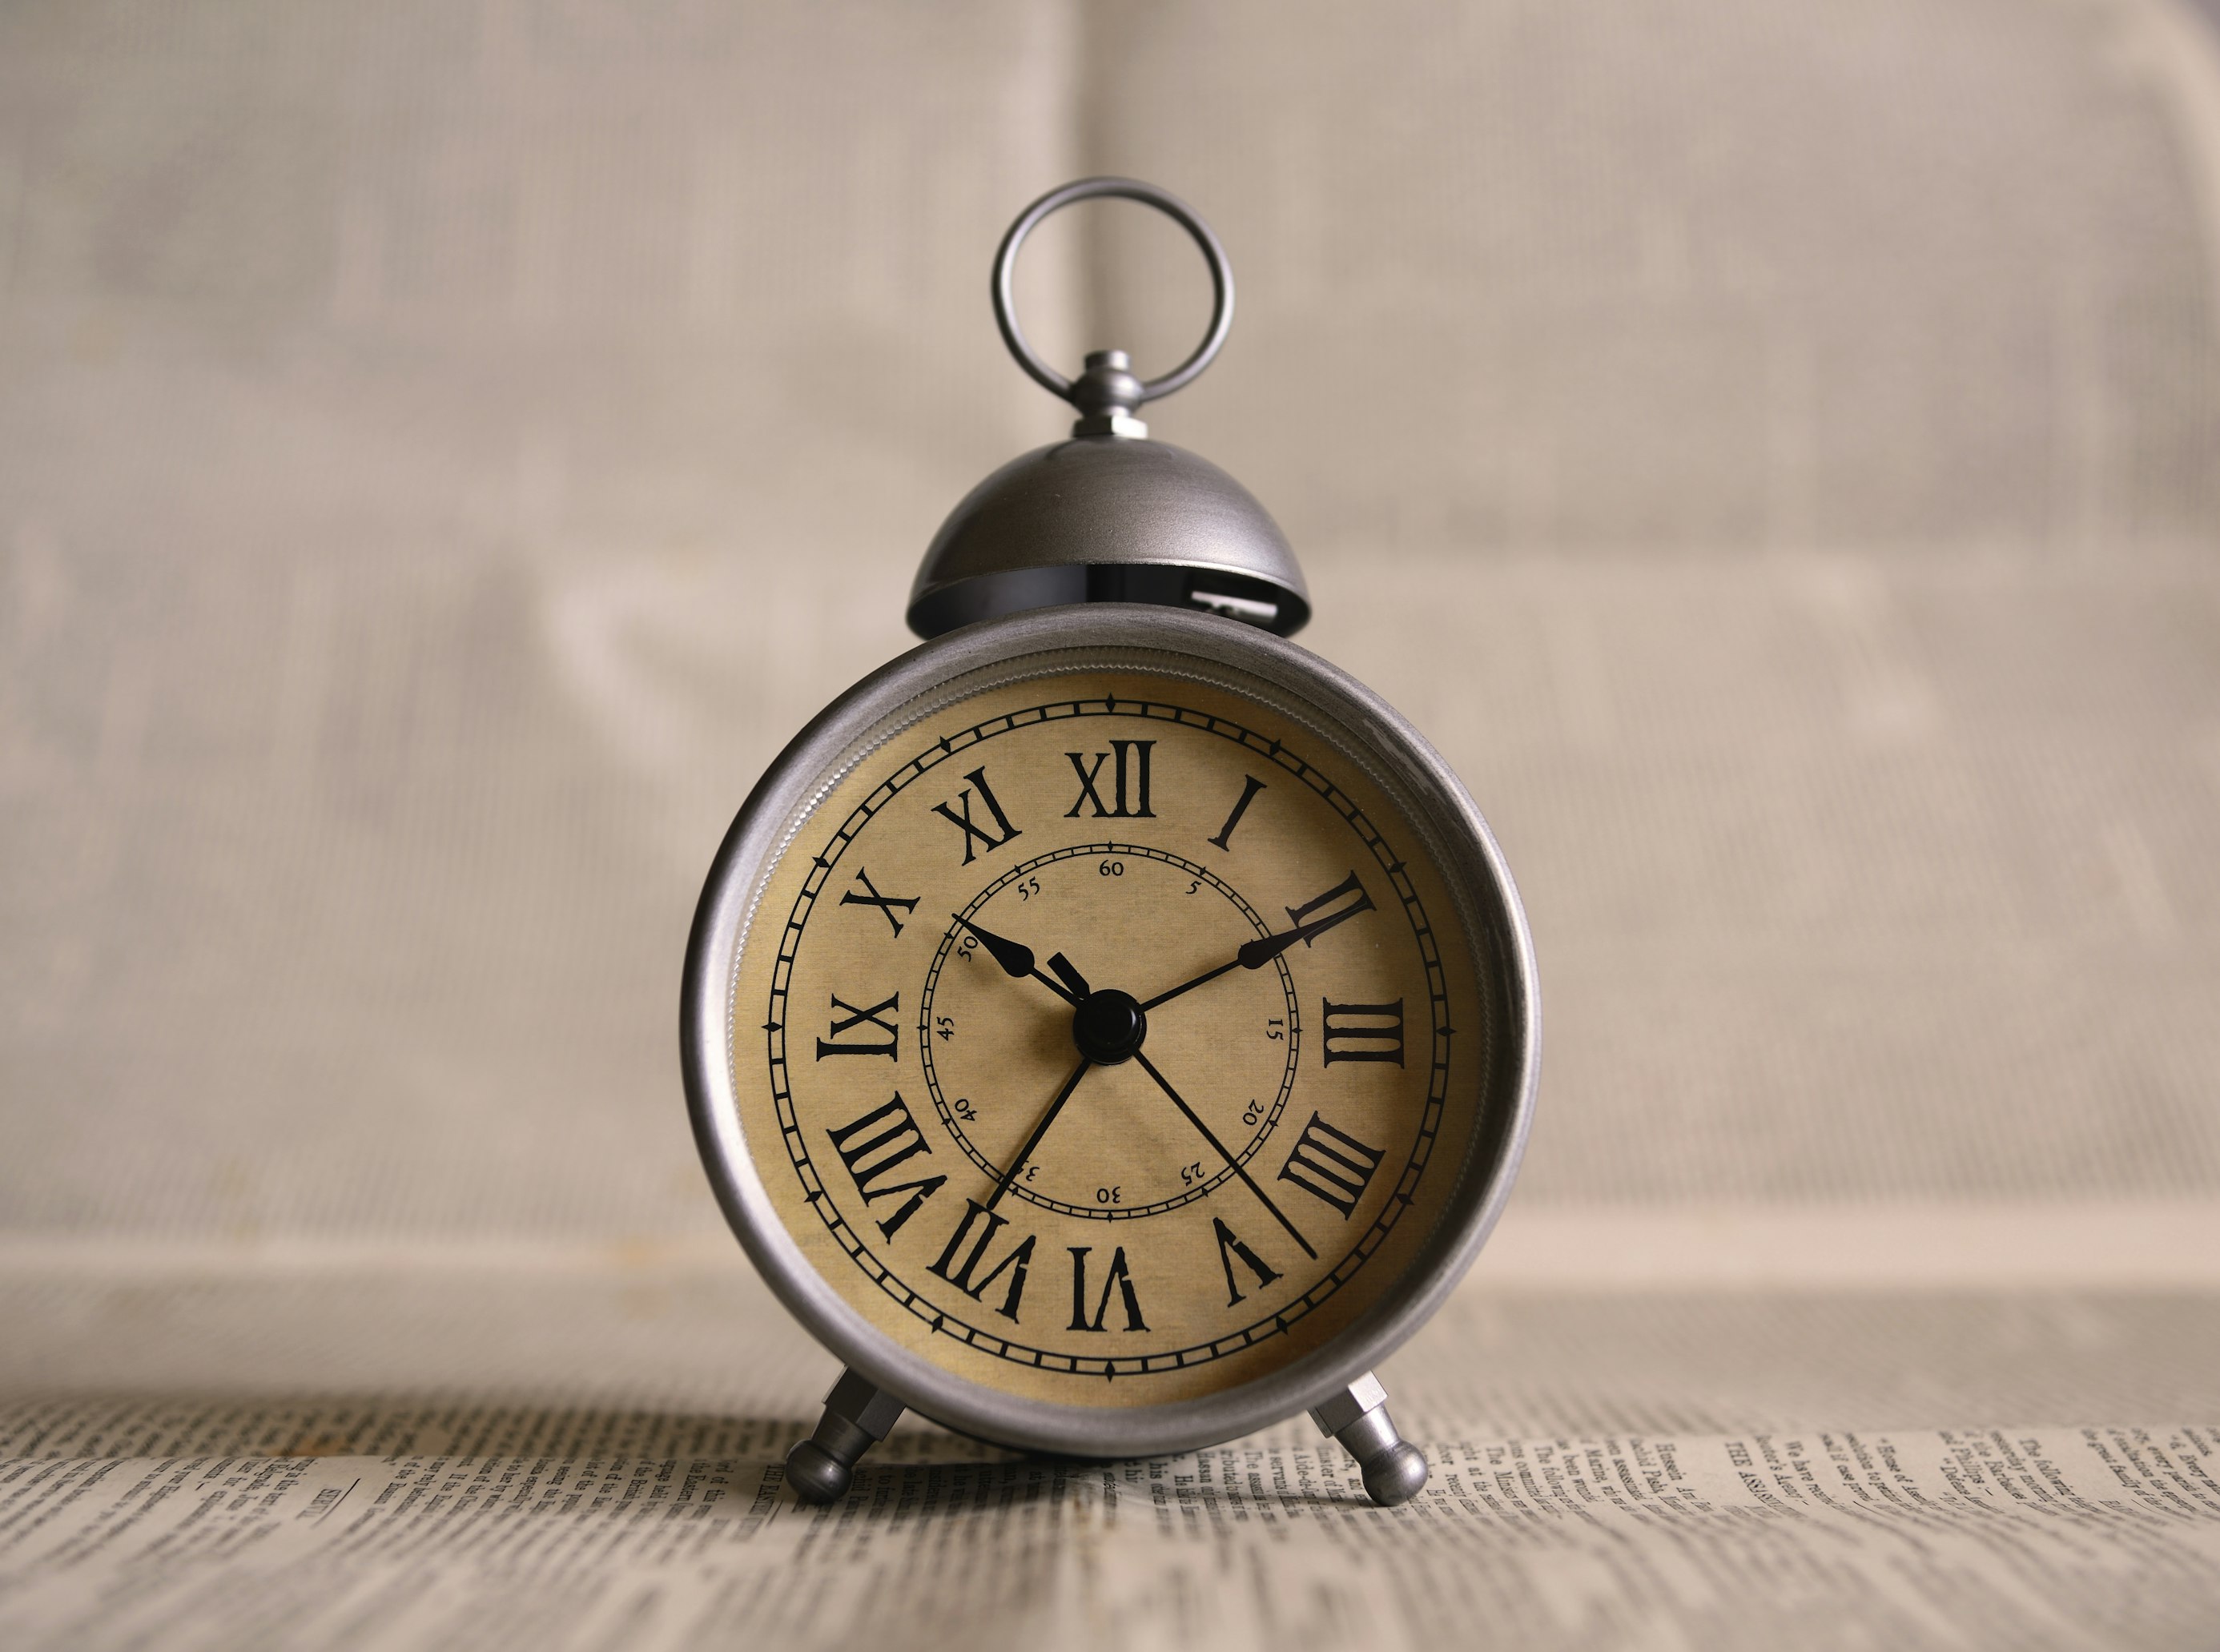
[[961, 1275], [1331, 1165], [880, 1017], [1129, 781], [872, 1146], [985, 836], [1120, 1278], [1362, 1032]]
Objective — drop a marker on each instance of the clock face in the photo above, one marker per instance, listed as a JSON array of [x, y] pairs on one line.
[[1109, 1036]]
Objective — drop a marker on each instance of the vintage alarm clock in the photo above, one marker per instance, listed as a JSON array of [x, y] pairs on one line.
[[1109, 1028]]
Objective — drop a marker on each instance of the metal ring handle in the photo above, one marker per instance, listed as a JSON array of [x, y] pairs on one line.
[[1088, 189]]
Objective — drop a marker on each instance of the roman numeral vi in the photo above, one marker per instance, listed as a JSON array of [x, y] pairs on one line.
[[1120, 1278]]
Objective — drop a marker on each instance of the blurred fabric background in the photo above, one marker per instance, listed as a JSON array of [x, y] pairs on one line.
[[1773, 451]]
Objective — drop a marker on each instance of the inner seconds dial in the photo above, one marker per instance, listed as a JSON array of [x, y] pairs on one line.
[[1099, 921]]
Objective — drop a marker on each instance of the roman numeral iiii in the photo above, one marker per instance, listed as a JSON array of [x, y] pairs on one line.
[[872, 1146], [1331, 1164]]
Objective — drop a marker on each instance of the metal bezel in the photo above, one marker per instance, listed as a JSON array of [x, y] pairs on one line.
[[1361, 727]]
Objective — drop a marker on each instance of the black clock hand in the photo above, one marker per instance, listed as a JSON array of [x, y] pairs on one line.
[[1017, 961], [1010, 1175], [1255, 954], [1232, 1164]]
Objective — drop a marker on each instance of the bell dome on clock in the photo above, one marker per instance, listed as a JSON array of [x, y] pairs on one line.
[[1109, 516]]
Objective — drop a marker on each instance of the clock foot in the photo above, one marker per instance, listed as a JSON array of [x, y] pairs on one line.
[[857, 1416], [1394, 1470]]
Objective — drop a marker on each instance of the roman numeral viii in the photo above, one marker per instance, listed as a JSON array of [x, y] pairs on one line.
[[872, 1146], [960, 815], [1362, 1032], [1129, 781], [1331, 1165], [1120, 1278], [879, 1016], [965, 1275]]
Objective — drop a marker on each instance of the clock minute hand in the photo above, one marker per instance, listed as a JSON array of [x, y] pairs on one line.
[[1017, 961], [1219, 1147], [1253, 955]]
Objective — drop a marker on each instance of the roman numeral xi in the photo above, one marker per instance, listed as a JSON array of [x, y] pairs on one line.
[[990, 837], [1129, 781]]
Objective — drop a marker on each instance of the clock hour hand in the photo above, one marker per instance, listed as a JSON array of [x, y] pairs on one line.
[[1017, 961], [1219, 1147]]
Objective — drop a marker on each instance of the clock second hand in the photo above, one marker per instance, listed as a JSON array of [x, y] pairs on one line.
[[1231, 1163], [1010, 1175]]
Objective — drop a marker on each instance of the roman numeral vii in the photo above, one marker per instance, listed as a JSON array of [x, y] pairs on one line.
[[964, 1275]]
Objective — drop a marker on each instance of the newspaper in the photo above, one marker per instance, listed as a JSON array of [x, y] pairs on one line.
[[2009, 1537]]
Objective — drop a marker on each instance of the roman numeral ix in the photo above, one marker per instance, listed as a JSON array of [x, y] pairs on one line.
[[1362, 1032], [879, 1016], [1120, 1278], [1131, 765], [885, 903], [960, 815], [872, 1146], [962, 1277], [1331, 1165]]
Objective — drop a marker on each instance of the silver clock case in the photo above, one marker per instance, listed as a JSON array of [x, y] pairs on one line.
[[1359, 726], [1109, 519]]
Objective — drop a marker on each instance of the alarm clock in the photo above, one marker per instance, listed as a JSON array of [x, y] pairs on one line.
[[1110, 1028]]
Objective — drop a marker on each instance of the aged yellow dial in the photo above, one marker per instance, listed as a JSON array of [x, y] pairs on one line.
[[1108, 1038]]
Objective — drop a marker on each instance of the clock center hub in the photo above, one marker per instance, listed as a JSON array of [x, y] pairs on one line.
[[1108, 1028]]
